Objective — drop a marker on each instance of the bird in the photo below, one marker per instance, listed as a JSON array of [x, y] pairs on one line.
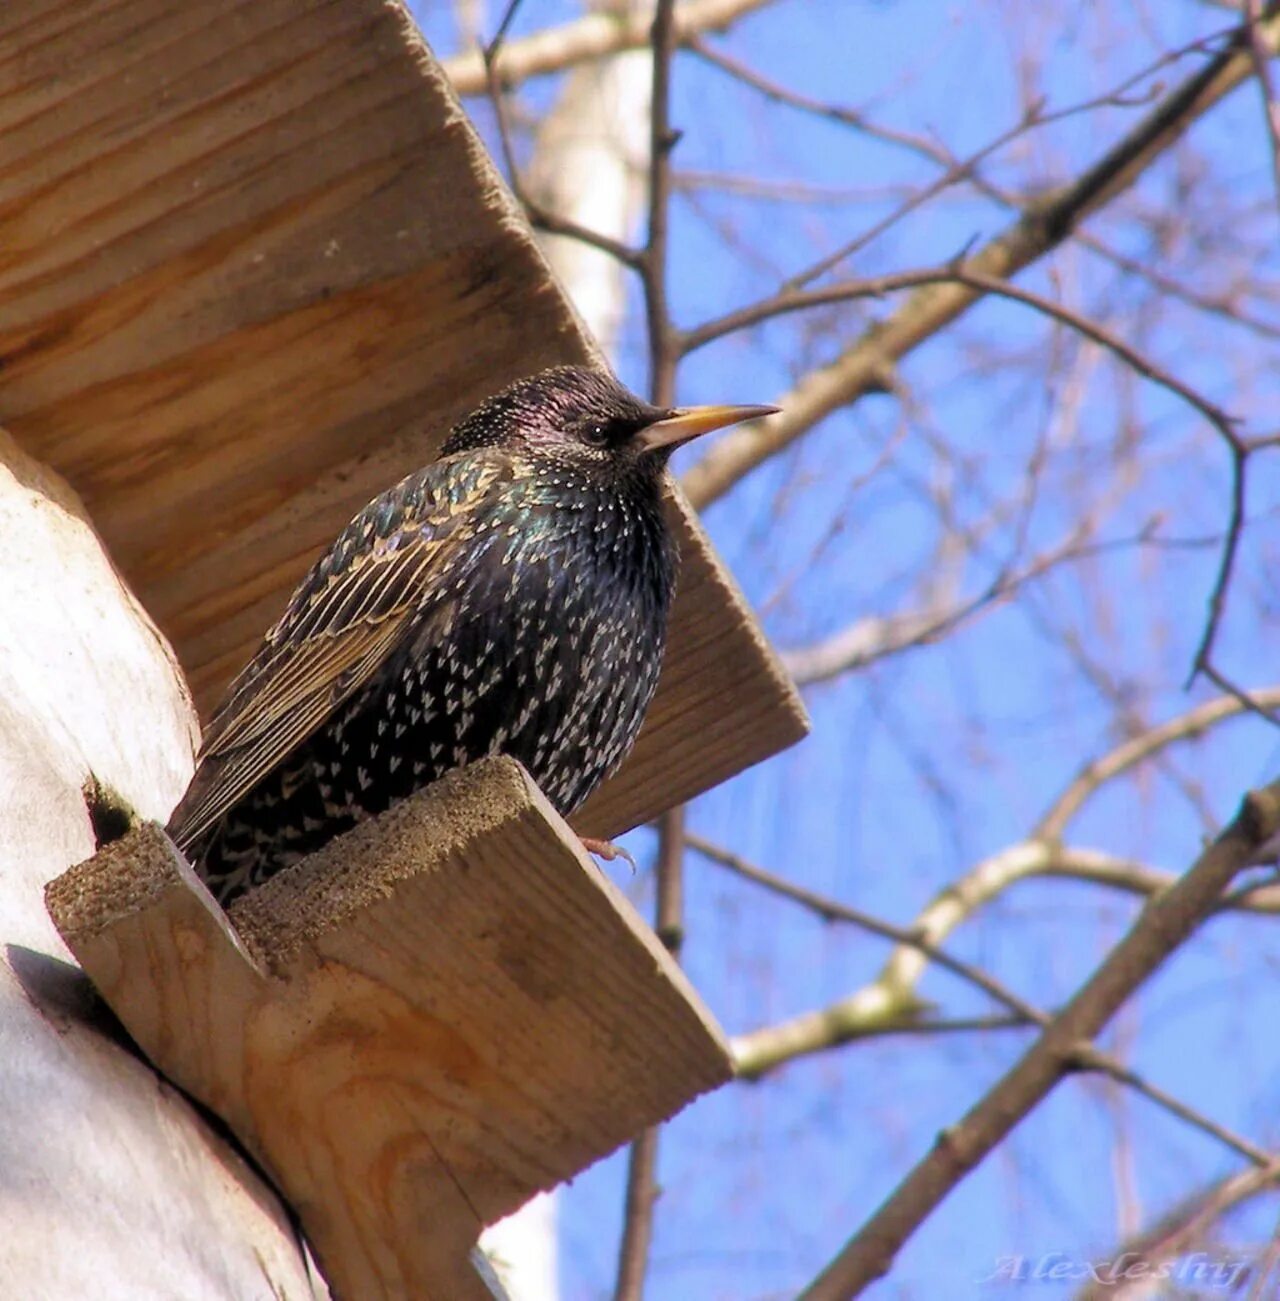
[[511, 597]]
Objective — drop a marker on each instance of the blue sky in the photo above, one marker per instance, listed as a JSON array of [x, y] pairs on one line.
[[927, 762]]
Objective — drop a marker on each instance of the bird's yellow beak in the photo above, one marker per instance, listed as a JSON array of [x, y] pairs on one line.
[[685, 423]]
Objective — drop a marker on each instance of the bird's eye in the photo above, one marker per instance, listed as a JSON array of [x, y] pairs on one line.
[[597, 435]]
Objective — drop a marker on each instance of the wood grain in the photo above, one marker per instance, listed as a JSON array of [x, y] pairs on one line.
[[253, 263], [443, 1012]]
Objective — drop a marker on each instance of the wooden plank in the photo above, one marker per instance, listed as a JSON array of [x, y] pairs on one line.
[[443, 1012], [253, 263]]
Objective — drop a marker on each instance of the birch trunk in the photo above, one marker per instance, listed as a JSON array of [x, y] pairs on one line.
[[111, 1185]]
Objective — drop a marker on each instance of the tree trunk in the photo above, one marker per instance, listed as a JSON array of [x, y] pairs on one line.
[[111, 1184]]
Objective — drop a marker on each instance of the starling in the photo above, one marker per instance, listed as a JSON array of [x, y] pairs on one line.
[[509, 598]]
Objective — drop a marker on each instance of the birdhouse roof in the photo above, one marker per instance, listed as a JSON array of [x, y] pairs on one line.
[[254, 262]]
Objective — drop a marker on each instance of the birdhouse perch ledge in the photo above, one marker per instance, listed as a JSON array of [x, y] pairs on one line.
[[416, 1029]]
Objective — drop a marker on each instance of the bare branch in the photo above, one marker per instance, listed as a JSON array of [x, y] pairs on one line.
[[889, 1005], [850, 117], [879, 636], [1043, 854], [966, 168], [1245, 699], [867, 365], [1163, 925], [894, 1003], [960, 273], [929, 148], [637, 1217], [591, 37], [1216, 305], [892, 996], [538, 215], [1261, 55], [923, 1027], [1095, 774], [642, 1167]]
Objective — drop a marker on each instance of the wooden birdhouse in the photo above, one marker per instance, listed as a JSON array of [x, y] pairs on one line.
[[254, 262]]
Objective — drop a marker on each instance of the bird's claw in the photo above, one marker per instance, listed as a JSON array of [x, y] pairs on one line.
[[607, 850]]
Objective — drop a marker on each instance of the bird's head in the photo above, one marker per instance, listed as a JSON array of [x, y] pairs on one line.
[[585, 417]]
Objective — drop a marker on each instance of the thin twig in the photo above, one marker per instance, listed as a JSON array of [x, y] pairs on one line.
[[928, 147], [1202, 661], [961, 273], [1218, 305], [642, 1169], [1246, 699], [1097, 772], [784, 95], [874, 638], [500, 36], [831, 910], [965, 169], [539, 215]]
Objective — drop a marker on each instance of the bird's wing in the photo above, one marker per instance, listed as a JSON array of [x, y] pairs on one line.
[[343, 621]]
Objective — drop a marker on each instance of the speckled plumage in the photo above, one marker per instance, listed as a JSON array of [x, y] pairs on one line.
[[510, 598]]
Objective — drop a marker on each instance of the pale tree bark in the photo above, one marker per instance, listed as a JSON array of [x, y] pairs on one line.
[[524, 1250], [590, 163], [111, 1185]]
